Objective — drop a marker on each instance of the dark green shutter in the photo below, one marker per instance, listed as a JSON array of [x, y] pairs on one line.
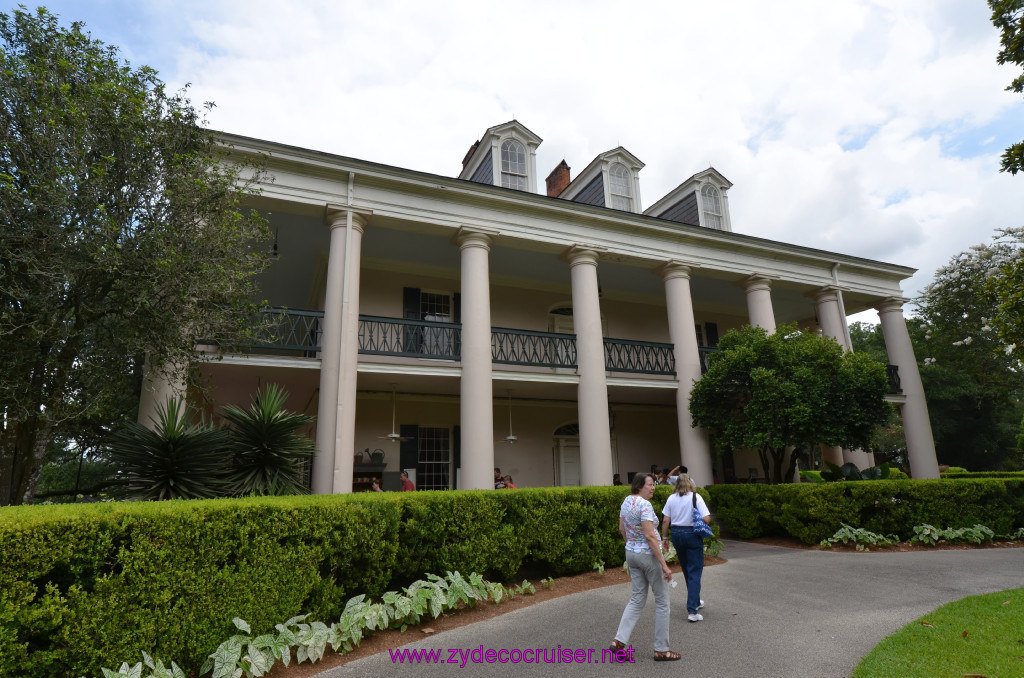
[[409, 450], [456, 453], [412, 336], [711, 330]]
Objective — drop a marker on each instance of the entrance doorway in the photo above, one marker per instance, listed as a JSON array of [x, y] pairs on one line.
[[566, 457]]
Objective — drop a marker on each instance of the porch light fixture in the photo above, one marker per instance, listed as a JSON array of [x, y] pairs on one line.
[[394, 436], [510, 438]]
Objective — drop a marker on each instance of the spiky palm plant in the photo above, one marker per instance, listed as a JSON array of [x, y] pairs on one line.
[[176, 460], [267, 452]]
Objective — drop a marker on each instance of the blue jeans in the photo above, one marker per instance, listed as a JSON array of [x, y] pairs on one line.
[[690, 549]]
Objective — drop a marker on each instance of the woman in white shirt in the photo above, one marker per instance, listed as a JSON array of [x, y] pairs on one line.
[[678, 512]]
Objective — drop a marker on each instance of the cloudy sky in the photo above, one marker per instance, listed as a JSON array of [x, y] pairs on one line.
[[871, 128]]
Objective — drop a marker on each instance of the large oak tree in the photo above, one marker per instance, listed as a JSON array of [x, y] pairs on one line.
[[123, 235]]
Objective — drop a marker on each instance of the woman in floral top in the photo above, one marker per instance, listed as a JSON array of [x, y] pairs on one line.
[[647, 567]]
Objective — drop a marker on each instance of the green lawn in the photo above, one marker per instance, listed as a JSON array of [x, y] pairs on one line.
[[976, 636]]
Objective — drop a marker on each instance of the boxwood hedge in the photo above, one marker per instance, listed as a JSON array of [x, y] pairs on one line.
[[85, 586], [813, 511], [90, 585]]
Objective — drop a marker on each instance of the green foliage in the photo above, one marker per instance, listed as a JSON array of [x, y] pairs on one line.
[[175, 460], [266, 448], [1008, 17], [927, 534], [245, 655], [768, 392], [859, 536], [122, 235], [812, 512], [82, 585], [982, 474], [970, 373], [599, 566], [849, 471]]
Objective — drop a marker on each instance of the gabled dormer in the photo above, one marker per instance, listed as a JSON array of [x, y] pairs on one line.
[[506, 155], [701, 200], [611, 180]]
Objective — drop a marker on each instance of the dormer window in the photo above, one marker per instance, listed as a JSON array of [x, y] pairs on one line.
[[610, 180], [620, 178], [513, 165], [505, 156], [701, 200], [711, 201]]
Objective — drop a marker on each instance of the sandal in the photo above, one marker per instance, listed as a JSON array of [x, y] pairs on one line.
[[617, 645], [669, 656]]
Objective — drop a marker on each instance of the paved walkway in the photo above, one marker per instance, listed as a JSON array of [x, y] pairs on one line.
[[770, 612]]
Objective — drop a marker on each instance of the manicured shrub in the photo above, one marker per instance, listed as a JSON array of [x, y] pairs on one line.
[[812, 512], [85, 586]]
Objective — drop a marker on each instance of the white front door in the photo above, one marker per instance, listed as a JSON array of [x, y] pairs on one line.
[[567, 453]]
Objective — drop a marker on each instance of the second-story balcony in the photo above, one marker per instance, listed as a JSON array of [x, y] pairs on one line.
[[298, 332]]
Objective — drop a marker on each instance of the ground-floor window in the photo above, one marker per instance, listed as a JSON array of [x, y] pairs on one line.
[[434, 460]]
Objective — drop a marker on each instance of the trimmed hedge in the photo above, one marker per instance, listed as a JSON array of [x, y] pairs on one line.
[[813, 511], [981, 474], [90, 585]]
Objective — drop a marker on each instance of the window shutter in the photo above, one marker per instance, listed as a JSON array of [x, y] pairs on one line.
[[412, 337], [457, 319], [456, 454], [409, 450], [411, 303], [712, 333]]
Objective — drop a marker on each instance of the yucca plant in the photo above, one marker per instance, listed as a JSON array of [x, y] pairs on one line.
[[175, 460], [267, 451]]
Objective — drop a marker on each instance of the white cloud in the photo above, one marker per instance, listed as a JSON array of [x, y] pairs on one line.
[[851, 125]]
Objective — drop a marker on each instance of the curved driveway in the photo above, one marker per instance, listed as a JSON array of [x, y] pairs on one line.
[[770, 612]]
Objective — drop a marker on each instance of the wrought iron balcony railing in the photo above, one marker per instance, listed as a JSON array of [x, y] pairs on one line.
[[704, 352], [413, 338], [893, 372], [644, 357], [539, 349], [291, 330]]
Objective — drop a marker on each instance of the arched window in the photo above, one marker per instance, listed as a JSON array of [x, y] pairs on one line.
[[622, 194], [712, 204], [513, 165]]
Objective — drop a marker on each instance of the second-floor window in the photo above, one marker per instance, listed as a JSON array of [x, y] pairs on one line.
[[711, 201], [619, 181], [436, 308], [513, 165]]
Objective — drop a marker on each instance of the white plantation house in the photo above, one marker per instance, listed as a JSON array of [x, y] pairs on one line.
[[449, 325]]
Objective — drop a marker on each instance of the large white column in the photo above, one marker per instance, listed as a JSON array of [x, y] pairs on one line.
[[916, 426], [695, 449], [157, 390], [330, 358], [476, 403], [826, 301], [345, 430], [759, 302], [592, 398]]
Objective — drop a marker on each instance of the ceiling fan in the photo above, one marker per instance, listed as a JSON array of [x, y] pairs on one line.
[[394, 436], [510, 438]]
